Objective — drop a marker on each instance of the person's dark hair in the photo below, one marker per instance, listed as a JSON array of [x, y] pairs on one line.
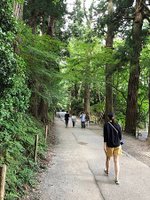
[[111, 117]]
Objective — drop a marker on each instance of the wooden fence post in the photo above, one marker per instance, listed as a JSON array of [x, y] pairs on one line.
[[49, 128], [46, 132], [36, 147], [2, 181]]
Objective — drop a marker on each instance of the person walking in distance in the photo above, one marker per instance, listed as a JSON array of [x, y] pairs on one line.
[[66, 119], [83, 119], [73, 118], [112, 146]]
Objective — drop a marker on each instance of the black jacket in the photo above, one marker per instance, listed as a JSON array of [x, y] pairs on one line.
[[67, 117], [111, 137]]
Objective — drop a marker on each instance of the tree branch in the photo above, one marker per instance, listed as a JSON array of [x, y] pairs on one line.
[[146, 7], [84, 8]]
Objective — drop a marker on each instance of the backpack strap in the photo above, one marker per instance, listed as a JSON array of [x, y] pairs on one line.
[[113, 127]]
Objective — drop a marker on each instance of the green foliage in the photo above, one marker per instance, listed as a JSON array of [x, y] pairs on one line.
[[42, 55], [98, 108], [6, 17], [50, 8], [86, 60], [86, 64], [17, 133], [37, 13], [143, 101], [76, 28], [17, 129], [7, 30], [145, 55], [18, 151], [76, 106], [38, 73]]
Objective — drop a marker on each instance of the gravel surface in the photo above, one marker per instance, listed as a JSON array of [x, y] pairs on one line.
[[134, 147]]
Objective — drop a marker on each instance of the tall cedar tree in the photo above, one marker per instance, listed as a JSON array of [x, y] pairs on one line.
[[114, 20], [42, 17], [44, 14], [136, 45]]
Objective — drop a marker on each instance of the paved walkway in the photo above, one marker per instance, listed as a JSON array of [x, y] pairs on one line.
[[77, 168]]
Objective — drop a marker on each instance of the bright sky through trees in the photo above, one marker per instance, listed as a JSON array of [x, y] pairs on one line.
[[71, 3]]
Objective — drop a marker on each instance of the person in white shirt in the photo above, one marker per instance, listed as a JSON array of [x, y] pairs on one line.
[[83, 119], [73, 118]]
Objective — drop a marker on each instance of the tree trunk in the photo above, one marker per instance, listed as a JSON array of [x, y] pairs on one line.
[[76, 91], [43, 106], [18, 10], [18, 14], [34, 105], [43, 111], [149, 104], [33, 21], [2, 181], [34, 99], [50, 28], [108, 75], [133, 85], [87, 98]]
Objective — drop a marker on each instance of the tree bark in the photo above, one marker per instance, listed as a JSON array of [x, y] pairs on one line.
[[34, 105], [34, 98], [2, 181], [133, 85], [149, 104], [76, 91], [87, 98], [43, 111], [18, 10], [33, 21], [108, 75], [51, 26]]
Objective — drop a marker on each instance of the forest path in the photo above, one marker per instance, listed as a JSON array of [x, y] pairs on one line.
[[76, 170]]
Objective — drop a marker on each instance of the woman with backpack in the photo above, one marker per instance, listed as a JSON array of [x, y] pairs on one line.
[[112, 145]]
